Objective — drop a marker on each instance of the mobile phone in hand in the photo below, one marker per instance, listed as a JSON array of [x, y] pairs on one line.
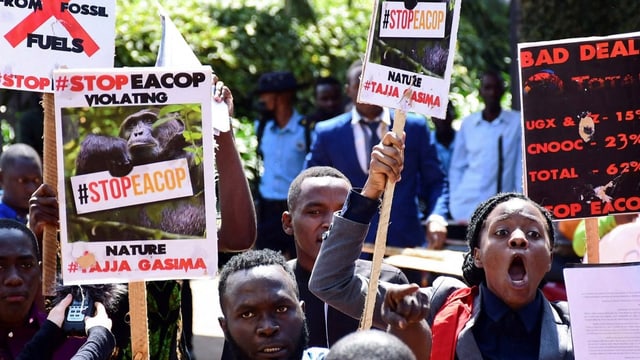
[[81, 306]]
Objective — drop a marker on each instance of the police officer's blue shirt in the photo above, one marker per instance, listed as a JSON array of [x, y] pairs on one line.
[[284, 150]]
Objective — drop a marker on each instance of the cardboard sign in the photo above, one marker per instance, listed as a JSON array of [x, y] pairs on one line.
[[39, 36], [409, 57], [135, 163], [581, 113]]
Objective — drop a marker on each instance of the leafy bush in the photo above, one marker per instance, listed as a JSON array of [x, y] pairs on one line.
[[576, 18], [243, 39]]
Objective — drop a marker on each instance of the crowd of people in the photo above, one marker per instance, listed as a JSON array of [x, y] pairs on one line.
[[297, 287]]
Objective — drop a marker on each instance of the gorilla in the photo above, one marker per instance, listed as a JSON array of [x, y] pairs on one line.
[[143, 139], [100, 153]]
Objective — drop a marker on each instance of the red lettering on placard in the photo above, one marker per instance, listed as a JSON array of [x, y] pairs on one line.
[[38, 17]]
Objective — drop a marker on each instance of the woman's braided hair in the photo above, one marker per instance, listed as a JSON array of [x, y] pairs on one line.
[[471, 273]]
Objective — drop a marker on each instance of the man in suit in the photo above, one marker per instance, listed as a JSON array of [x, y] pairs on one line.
[[342, 143]]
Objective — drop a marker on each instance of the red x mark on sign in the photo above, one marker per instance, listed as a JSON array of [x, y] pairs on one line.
[[51, 8]]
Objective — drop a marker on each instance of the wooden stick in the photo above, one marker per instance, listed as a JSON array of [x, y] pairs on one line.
[[593, 240], [381, 236], [138, 316], [50, 175]]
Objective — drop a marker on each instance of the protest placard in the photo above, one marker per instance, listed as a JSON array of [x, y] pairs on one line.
[[407, 67], [581, 113], [134, 147], [39, 36], [409, 57]]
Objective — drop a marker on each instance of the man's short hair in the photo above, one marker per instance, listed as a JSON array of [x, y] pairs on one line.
[[371, 345], [312, 172], [14, 152], [325, 80], [250, 259], [12, 224]]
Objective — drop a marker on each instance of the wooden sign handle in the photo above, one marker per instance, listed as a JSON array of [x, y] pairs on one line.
[[138, 316], [400, 119], [50, 176], [592, 240]]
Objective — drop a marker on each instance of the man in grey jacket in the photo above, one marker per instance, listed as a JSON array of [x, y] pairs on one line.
[[335, 279], [314, 196]]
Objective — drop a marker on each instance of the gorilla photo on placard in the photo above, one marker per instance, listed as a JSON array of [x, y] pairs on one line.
[[144, 136], [420, 55]]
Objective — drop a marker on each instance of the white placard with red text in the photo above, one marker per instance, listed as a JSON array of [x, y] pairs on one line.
[[409, 59], [135, 168], [39, 36]]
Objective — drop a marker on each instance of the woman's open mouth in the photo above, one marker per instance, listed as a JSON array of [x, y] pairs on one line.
[[517, 271]]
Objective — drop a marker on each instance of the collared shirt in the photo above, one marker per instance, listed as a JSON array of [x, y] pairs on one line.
[[360, 138], [502, 333], [475, 161], [284, 150]]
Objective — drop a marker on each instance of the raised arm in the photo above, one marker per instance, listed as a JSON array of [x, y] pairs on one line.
[[238, 229], [333, 278], [49, 336]]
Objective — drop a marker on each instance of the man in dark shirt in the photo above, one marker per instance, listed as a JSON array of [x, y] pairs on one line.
[[329, 102], [20, 318], [20, 176], [262, 316]]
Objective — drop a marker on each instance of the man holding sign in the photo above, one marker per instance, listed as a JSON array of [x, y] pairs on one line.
[[237, 233], [247, 293]]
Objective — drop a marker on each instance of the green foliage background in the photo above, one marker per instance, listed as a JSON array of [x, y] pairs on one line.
[[550, 20], [242, 39]]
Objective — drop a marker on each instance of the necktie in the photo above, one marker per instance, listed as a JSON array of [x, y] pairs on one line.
[[371, 135]]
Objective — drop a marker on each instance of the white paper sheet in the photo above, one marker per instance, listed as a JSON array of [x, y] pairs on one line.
[[604, 304]]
